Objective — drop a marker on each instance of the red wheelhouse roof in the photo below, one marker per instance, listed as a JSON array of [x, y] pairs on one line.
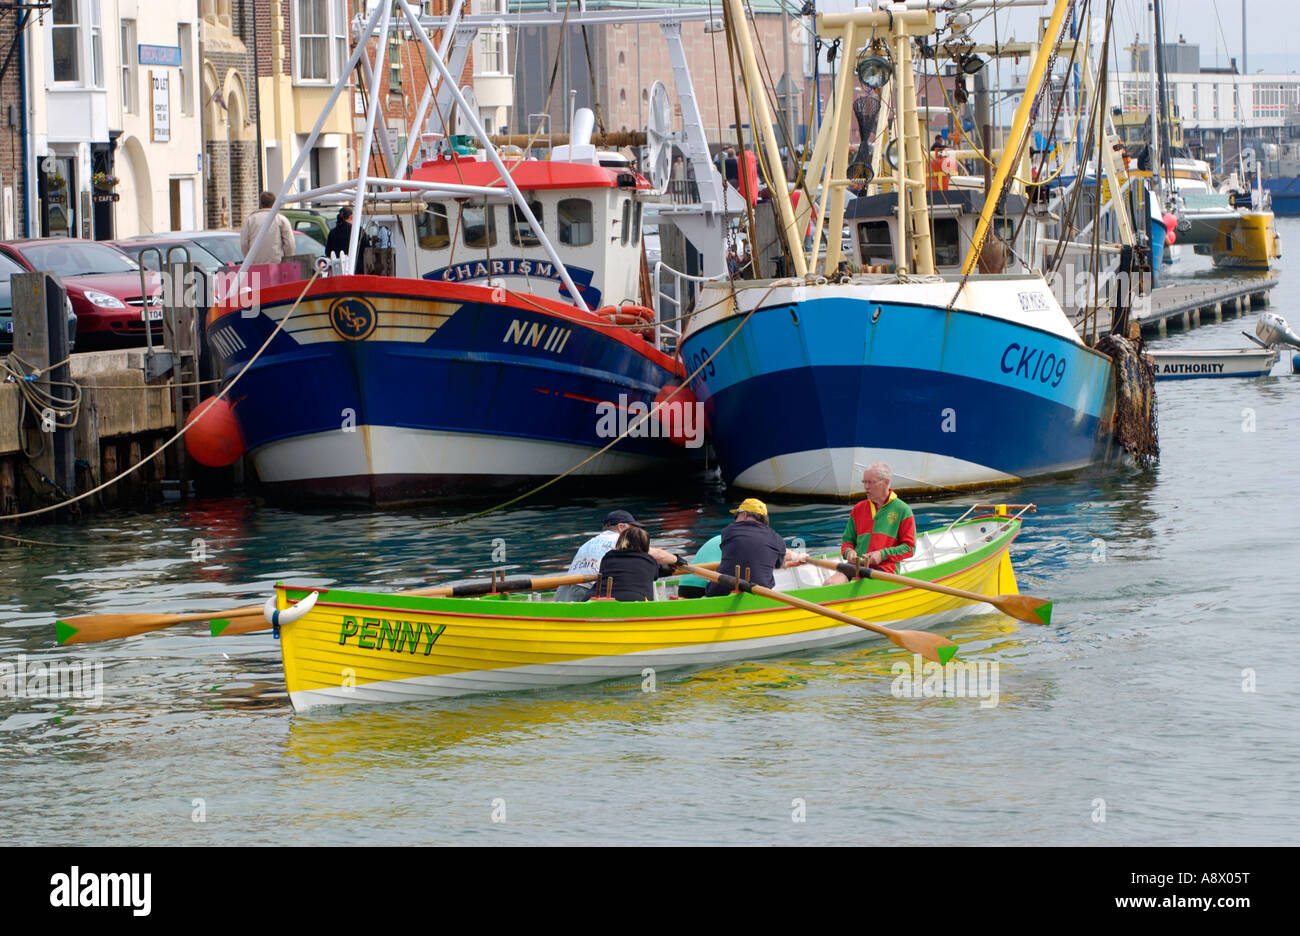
[[528, 174]]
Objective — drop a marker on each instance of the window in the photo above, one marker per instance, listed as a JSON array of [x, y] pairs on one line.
[[947, 250], [96, 45], [130, 103], [320, 35], [431, 228], [479, 224], [626, 232], [875, 244], [575, 222], [184, 32], [521, 232], [394, 65], [636, 224], [490, 58], [65, 38]]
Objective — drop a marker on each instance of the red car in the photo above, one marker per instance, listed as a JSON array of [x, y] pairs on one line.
[[103, 286]]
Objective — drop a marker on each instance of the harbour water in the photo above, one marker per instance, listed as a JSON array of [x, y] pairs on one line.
[[1156, 709]]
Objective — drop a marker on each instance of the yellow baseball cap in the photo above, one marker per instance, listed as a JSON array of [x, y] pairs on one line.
[[752, 505]]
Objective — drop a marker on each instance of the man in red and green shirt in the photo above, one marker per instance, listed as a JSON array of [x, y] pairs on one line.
[[881, 528]]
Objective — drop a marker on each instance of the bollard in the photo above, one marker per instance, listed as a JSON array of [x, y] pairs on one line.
[[41, 339]]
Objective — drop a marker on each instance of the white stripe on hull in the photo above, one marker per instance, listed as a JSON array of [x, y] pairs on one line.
[[390, 450], [838, 472], [597, 669]]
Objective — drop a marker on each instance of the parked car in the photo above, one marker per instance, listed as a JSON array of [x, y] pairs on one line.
[[141, 249], [103, 283], [8, 267], [224, 245], [310, 222]]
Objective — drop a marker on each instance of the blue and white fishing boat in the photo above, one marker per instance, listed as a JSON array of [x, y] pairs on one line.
[[958, 379], [507, 343]]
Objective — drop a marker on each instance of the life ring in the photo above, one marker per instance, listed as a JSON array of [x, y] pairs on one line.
[[630, 315], [278, 618]]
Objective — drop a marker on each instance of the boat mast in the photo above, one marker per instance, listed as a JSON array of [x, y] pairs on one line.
[[766, 137], [1019, 133], [1153, 147]]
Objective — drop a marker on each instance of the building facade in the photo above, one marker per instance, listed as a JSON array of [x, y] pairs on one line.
[[232, 174], [113, 125]]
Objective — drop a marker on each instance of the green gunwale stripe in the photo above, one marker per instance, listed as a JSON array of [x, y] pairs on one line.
[[722, 606]]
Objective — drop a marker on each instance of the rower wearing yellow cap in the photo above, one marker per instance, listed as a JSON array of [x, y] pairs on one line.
[[751, 549]]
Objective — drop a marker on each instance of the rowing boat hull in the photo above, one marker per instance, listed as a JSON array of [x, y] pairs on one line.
[[365, 648]]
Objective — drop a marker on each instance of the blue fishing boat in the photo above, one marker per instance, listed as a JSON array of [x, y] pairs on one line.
[[955, 379]]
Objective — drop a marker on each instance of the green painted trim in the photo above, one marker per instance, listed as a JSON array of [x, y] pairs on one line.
[[1044, 613], [946, 654], [518, 606], [218, 625], [63, 632]]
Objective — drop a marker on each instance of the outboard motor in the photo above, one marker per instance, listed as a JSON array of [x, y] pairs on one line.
[[1272, 329]]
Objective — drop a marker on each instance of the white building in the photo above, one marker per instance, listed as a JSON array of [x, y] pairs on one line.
[[113, 119], [494, 85]]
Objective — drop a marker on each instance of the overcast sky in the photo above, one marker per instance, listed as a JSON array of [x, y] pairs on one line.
[[1272, 27]]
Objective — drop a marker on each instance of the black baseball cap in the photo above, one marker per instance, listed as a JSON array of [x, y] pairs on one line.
[[621, 516]]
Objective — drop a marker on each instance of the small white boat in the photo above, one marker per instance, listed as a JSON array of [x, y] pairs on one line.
[[1234, 362]]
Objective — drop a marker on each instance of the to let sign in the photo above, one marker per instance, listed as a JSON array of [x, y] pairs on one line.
[[162, 118]]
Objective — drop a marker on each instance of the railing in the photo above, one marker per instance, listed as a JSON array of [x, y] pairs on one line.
[[667, 304], [683, 191]]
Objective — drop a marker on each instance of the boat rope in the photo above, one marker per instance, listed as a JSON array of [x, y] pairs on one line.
[[52, 412], [184, 429], [632, 425]]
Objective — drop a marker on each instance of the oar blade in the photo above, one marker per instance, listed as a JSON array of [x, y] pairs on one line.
[[1025, 608], [90, 628], [231, 627], [934, 647]]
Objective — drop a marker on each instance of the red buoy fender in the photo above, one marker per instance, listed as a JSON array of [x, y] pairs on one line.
[[214, 438], [677, 414]]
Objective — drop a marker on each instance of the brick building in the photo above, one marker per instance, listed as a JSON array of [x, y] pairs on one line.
[[231, 174], [13, 184]]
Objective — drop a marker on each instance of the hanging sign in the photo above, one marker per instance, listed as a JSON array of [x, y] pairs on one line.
[[162, 119]]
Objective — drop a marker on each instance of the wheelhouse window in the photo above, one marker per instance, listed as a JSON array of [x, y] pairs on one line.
[[947, 251], [432, 229], [626, 233], [521, 232], [875, 243], [65, 39], [478, 222], [575, 217], [636, 223]]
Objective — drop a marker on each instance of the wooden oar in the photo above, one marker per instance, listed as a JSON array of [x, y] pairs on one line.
[[931, 646], [1025, 608], [94, 627], [249, 625], [90, 628]]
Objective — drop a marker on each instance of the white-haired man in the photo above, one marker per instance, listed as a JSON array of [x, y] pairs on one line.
[[881, 529]]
